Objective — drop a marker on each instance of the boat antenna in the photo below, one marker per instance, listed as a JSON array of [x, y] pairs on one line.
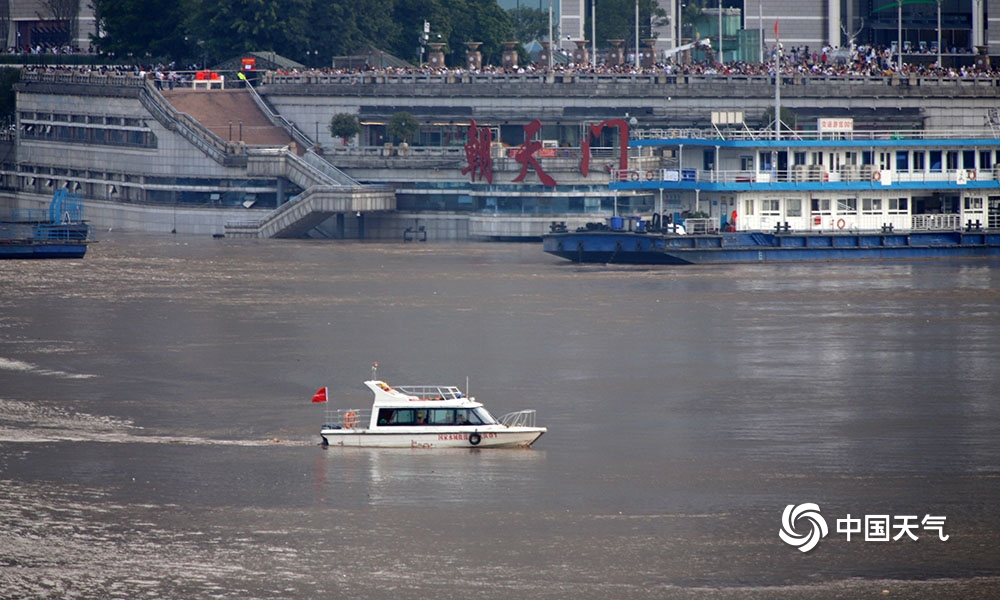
[[467, 394], [374, 370]]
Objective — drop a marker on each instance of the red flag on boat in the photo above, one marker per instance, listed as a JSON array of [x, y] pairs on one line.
[[320, 395], [776, 29]]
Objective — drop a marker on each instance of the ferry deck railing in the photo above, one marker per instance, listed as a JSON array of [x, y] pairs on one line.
[[807, 174], [347, 418], [431, 392], [520, 418]]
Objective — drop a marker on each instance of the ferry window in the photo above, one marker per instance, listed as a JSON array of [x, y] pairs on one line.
[[746, 163], [918, 161], [952, 157], [935, 161], [973, 204], [441, 416], [395, 416], [847, 206], [821, 205], [867, 158], [799, 158], [793, 207], [902, 160], [465, 416], [817, 158], [871, 206], [770, 206], [850, 158], [748, 207], [985, 161], [897, 205], [884, 160], [968, 159]]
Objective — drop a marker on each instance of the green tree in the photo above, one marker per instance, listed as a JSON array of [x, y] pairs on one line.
[[229, 28], [478, 21], [402, 126], [616, 20], [142, 29], [344, 126], [528, 24], [8, 98]]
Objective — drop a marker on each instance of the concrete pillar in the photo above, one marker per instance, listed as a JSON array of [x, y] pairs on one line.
[[435, 58], [543, 56], [581, 56], [647, 54], [509, 55], [473, 57], [616, 54]]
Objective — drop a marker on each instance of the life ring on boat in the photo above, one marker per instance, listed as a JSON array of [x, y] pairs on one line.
[[634, 176], [350, 419], [840, 223], [970, 174], [475, 438], [650, 176], [876, 175]]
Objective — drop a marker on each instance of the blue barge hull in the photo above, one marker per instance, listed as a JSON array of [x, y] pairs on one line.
[[743, 247], [35, 249]]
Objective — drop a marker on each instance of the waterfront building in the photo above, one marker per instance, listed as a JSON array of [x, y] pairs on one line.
[[496, 156]]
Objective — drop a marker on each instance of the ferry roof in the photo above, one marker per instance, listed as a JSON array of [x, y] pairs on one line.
[[419, 396]]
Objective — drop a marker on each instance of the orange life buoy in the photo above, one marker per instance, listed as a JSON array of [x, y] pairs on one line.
[[971, 175], [876, 175], [840, 224], [650, 175], [350, 419], [634, 176]]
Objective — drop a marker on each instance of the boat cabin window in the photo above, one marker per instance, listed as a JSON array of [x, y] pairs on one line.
[[793, 207], [935, 158], [871, 206], [432, 416]]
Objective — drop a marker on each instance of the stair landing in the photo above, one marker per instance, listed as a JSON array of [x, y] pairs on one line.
[[221, 111]]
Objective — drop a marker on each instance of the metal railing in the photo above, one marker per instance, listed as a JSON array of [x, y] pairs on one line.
[[347, 418], [521, 418]]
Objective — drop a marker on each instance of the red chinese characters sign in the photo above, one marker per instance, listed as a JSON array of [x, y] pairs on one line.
[[477, 153], [479, 161], [526, 155]]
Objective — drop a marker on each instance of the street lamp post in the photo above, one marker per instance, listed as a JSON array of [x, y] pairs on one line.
[[636, 54]]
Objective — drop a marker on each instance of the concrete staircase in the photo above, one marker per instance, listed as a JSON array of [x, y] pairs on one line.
[[237, 128]]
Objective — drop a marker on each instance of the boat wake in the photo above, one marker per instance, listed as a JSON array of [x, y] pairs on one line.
[[26, 422], [8, 364]]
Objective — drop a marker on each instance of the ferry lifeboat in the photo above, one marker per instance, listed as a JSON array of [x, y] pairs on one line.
[[425, 416]]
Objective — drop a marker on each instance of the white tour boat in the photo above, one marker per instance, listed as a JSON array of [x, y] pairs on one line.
[[425, 416]]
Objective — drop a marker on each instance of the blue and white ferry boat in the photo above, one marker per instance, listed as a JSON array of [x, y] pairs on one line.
[[826, 194]]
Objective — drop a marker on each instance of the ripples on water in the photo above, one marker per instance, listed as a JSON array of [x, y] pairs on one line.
[[156, 435]]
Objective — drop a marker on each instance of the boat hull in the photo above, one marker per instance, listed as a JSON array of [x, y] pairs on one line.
[[24, 250], [508, 437], [638, 248]]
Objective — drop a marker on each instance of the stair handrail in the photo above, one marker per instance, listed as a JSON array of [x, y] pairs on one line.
[[193, 131], [314, 158]]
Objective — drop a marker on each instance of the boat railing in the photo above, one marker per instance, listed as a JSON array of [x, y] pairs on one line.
[[347, 418], [431, 392], [808, 174], [521, 418]]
